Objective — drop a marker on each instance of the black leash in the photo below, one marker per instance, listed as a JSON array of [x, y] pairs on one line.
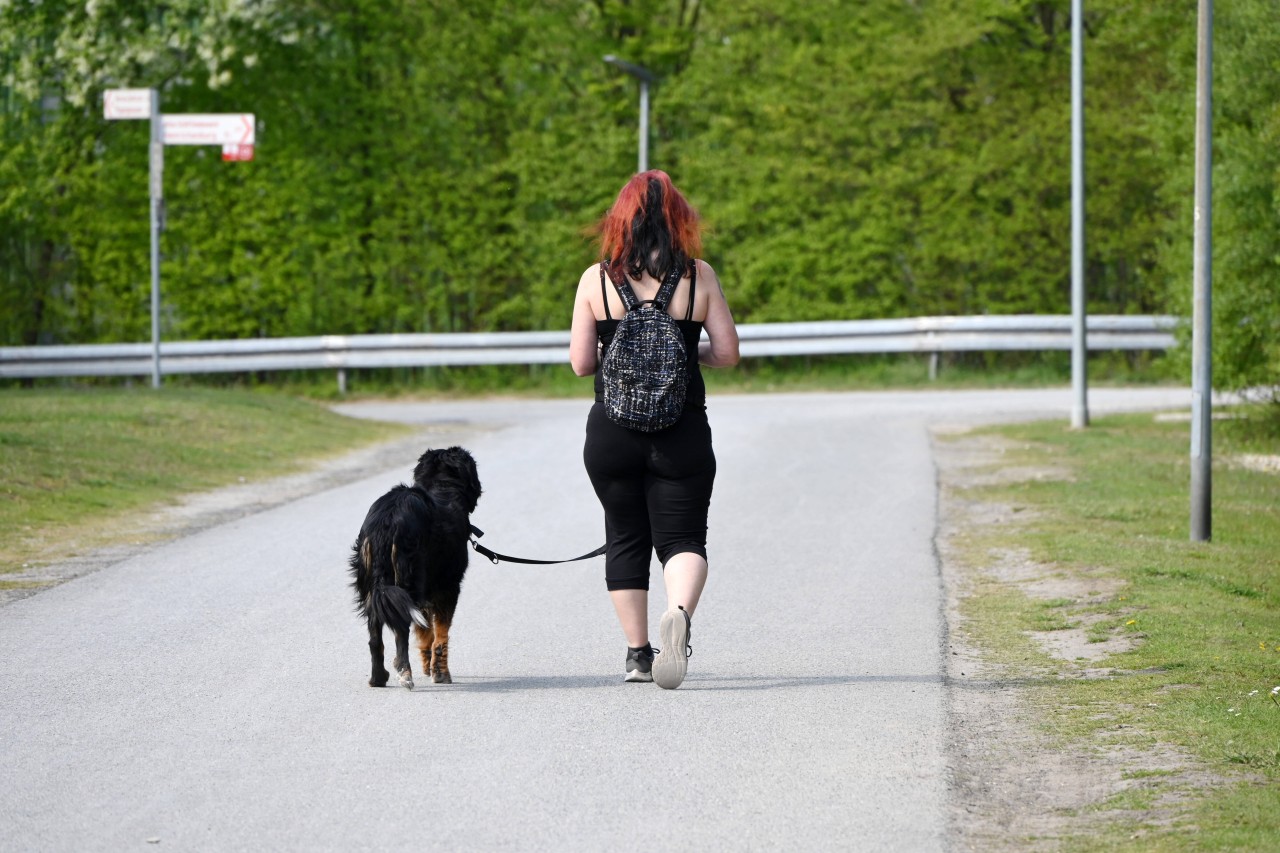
[[494, 557]]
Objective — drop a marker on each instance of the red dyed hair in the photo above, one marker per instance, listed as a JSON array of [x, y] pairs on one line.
[[674, 231]]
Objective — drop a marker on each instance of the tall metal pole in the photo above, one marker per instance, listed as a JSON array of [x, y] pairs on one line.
[[1079, 344], [1202, 278], [157, 203], [645, 76], [644, 125]]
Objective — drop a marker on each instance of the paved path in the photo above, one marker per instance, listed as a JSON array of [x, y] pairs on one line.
[[211, 692]]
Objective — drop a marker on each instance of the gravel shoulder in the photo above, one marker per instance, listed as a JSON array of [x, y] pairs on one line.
[[1015, 787]]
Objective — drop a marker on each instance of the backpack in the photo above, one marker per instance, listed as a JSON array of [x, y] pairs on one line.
[[645, 370]]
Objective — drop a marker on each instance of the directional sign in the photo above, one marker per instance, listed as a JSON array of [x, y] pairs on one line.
[[237, 152], [126, 103], [208, 129]]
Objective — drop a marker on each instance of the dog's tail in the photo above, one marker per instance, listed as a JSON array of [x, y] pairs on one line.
[[393, 606]]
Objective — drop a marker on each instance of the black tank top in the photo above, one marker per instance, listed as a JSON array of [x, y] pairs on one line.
[[696, 393]]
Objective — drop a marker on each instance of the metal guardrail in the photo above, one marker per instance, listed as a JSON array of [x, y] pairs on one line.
[[1028, 332]]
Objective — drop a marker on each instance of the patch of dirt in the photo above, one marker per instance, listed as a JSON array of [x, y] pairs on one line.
[[1012, 788], [1074, 644], [1256, 462], [139, 532]]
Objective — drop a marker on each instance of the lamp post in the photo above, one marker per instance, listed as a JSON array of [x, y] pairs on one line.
[[1202, 287], [1079, 346], [645, 76]]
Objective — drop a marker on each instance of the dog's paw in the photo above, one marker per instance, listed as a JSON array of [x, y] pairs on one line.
[[441, 677], [379, 680], [406, 681]]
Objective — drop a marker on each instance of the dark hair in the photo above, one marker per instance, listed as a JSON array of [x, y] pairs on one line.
[[650, 228]]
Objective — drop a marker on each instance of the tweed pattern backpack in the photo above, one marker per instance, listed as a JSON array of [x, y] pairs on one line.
[[645, 370]]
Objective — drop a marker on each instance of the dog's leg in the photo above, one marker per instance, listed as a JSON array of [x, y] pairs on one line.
[[401, 662], [424, 640], [440, 653], [378, 674]]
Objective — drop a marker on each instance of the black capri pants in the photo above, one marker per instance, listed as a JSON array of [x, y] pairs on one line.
[[655, 489]]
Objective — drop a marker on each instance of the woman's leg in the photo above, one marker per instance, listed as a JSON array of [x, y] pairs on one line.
[[632, 606], [678, 496], [685, 575], [617, 475]]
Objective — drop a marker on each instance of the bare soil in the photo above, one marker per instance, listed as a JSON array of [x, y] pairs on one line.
[[1014, 787]]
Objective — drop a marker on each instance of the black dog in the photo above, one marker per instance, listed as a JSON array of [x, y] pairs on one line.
[[409, 560]]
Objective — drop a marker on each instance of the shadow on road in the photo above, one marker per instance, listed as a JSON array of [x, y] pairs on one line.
[[516, 684]]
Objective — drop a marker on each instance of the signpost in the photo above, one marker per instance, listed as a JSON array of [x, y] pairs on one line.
[[126, 103], [235, 132]]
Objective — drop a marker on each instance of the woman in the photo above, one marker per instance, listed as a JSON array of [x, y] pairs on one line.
[[655, 487]]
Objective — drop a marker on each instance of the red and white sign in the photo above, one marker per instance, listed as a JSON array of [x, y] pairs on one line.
[[208, 129], [237, 152], [126, 103]]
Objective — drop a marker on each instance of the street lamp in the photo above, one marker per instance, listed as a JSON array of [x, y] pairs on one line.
[[1079, 307], [645, 76], [1202, 288]]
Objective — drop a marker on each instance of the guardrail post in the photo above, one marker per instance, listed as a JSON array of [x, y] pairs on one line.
[[342, 382], [933, 366]]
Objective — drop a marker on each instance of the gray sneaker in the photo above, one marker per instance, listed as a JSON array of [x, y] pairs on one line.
[[669, 667], [640, 663]]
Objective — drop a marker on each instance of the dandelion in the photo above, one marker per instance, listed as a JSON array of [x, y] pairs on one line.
[[1253, 693], [1275, 691], [1262, 646], [1131, 622]]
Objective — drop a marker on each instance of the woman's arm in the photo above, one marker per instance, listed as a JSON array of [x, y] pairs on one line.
[[722, 349], [584, 344]]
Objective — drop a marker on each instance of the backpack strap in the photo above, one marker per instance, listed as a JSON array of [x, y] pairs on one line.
[[668, 289], [623, 287]]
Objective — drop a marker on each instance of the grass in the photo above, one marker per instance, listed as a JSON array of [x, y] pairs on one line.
[[1207, 614], [73, 462]]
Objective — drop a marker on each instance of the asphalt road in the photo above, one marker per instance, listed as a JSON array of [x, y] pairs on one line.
[[210, 693]]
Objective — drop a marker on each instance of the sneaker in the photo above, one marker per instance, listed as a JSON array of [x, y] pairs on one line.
[[640, 663], [669, 667]]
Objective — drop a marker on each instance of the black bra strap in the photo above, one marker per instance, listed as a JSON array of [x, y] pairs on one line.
[[604, 292], [693, 287]]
